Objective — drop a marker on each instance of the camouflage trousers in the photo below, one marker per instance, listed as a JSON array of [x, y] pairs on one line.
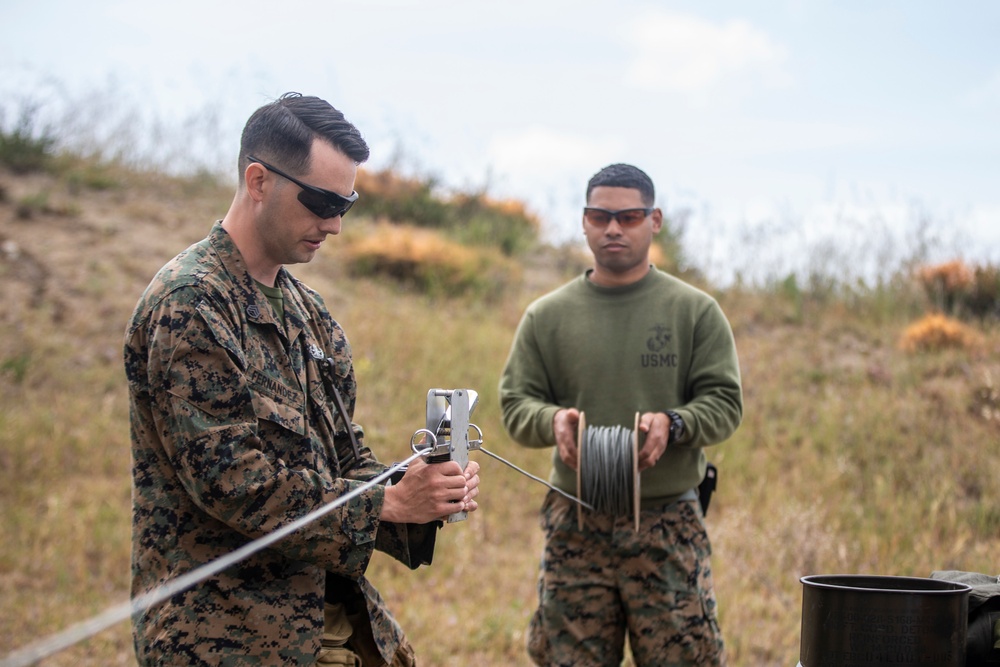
[[604, 581]]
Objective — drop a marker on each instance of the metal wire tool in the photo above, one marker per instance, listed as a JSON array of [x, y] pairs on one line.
[[447, 430]]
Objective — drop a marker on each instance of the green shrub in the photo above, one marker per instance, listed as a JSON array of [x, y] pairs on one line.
[[472, 218], [983, 299], [26, 147], [29, 205], [16, 367], [483, 221], [91, 175], [388, 195]]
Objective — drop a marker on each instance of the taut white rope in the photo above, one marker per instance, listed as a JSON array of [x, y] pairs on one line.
[[52, 644]]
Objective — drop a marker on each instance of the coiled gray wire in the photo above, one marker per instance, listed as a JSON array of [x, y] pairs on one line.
[[606, 469]]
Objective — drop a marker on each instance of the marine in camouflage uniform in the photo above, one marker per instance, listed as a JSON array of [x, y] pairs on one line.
[[625, 338], [234, 435]]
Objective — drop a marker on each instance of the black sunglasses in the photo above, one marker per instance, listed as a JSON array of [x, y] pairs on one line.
[[323, 203], [626, 217]]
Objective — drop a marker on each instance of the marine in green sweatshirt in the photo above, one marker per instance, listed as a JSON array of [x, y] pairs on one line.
[[624, 339], [651, 346]]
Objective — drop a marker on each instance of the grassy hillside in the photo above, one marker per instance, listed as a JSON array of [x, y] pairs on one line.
[[855, 455]]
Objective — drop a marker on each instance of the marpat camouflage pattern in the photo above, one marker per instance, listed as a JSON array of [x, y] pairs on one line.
[[234, 436]]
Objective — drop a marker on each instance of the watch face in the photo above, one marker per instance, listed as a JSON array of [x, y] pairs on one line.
[[676, 426]]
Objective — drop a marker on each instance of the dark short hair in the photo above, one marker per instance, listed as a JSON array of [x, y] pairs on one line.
[[283, 131], [624, 176]]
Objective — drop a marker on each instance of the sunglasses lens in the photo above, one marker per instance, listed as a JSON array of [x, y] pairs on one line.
[[325, 206], [631, 217], [597, 217]]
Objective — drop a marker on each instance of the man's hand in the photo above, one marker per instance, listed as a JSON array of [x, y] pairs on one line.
[[565, 424], [472, 485], [656, 426], [432, 491]]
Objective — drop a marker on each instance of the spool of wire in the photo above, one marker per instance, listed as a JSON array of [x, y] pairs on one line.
[[607, 471]]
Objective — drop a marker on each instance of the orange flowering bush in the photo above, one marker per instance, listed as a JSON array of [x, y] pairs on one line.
[[425, 259], [947, 284], [960, 290], [951, 276], [935, 332]]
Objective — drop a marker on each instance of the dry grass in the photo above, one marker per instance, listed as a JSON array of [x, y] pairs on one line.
[[854, 456]]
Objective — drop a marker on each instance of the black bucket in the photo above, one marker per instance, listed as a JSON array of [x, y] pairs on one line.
[[873, 621]]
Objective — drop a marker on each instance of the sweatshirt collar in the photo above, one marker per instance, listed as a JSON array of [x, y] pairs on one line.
[[638, 285]]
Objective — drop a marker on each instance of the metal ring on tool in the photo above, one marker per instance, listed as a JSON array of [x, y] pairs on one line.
[[473, 444], [430, 434]]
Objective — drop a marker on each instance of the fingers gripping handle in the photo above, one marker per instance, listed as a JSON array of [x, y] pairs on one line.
[[446, 436]]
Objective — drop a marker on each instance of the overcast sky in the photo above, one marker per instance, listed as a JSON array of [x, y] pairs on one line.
[[825, 123]]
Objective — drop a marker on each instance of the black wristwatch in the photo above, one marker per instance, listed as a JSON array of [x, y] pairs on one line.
[[676, 427]]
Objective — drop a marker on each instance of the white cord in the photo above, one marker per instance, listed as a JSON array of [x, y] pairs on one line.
[[52, 644]]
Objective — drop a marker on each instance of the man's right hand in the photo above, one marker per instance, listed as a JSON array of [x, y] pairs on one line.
[[431, 491], [565, 424]]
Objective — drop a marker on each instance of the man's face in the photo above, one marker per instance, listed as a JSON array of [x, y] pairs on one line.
[[621, 254], [291, 233]]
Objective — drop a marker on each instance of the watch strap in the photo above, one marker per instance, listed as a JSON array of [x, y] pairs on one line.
[[676, 427]]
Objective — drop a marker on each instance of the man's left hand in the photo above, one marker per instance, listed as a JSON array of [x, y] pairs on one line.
[[656, 426]]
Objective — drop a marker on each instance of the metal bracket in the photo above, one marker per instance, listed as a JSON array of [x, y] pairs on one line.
[[446, 436]]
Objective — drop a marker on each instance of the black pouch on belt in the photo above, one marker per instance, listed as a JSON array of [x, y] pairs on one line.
[[707, 487], [341, 590]]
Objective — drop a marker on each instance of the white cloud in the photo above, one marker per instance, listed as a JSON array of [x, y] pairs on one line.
[[549, 170], [539, 150], [983, 225], [690, 55]]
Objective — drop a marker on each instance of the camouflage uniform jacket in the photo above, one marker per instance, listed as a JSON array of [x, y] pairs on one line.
[[233, 436]]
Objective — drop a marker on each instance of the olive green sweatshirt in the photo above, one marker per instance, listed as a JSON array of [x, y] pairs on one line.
[[655, 345]]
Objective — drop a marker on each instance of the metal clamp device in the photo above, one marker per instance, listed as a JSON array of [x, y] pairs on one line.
[[446, 436]]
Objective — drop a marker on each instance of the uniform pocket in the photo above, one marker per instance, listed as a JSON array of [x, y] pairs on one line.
[[268, 407]]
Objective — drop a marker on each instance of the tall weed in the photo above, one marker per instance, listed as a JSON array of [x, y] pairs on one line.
[[27, 145]]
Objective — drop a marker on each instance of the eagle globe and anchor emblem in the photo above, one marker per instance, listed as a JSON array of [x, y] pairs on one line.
[[656, 343]]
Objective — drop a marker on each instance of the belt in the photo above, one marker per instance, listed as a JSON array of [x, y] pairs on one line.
[[690, 494]]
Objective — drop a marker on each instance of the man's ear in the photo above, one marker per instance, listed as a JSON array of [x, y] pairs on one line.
[[657, 220], [255, 178]]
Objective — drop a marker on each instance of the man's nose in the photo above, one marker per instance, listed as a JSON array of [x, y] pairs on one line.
[[332, 225]]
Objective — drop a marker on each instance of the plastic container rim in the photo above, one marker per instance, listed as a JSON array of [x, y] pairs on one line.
[[942, 587]]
